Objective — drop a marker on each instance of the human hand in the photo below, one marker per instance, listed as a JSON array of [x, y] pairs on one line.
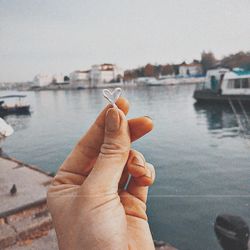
[[89, 204]]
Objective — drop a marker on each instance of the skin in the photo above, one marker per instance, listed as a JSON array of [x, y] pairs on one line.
[[93, 203]]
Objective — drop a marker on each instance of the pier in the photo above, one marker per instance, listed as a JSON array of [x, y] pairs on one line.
[[23, 211]]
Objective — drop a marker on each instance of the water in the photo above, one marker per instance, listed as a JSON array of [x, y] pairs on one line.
[[201, 159]]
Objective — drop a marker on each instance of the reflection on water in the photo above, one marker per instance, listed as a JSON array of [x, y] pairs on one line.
[[222, 120], [218, 116], [200, 156], [18, 122]]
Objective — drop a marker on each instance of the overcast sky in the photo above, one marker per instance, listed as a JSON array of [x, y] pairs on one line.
[[59, 36]]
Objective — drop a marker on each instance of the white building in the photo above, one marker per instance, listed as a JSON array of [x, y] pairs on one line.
[[41, 80], [80, 78], [58, 78], [192, 69], [105, 73]]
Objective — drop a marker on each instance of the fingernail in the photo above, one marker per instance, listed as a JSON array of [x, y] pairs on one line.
[[112, 120], [137, 160]]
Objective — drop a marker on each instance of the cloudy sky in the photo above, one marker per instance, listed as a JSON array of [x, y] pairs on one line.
[[59, 36]]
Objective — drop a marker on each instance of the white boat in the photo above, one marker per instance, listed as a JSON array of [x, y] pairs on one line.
[[223, 85]]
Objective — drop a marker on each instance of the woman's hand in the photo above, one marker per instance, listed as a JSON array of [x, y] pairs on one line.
[[93, 203]]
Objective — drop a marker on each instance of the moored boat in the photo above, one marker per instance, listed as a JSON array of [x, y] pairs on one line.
[[17, 108], [223, 85]]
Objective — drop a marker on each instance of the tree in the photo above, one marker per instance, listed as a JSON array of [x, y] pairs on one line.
[[176, 69], [207, 61], [149, 70], [167, 69], [240, 59], [196, 61], [66, 79], [54, 81], [157, 70]]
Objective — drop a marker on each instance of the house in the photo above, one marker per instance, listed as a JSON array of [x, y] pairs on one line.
[[80, 78], [192, 69], [105, 73], [42, 80], [57, 79]]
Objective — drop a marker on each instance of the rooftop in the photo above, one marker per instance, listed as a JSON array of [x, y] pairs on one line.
[[82, 71], [190, 64], [241, 72]]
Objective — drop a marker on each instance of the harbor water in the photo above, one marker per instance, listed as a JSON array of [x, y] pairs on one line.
[[202, 160]]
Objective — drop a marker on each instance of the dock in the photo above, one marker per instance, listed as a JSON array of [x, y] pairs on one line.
[[23, 211], [25, 222]]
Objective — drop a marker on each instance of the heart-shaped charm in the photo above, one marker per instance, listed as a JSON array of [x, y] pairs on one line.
[[112, 96]]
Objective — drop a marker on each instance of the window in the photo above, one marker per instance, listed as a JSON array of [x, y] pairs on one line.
[[245, 83], [237, 84], [230, 84]]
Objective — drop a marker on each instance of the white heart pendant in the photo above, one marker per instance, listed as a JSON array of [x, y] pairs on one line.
[[112, 96]]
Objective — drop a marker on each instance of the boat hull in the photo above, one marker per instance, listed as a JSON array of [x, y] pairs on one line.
[[209, 96], [18, 110]]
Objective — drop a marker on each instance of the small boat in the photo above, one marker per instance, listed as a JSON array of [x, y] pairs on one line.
[[17, 108], [223, 85]]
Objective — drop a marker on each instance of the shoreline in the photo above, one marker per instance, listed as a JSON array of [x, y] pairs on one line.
[[137, 83]]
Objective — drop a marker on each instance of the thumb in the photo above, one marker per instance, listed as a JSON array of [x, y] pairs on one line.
[[113, 155]]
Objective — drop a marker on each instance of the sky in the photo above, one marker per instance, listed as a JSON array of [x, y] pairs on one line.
[[60, 36]]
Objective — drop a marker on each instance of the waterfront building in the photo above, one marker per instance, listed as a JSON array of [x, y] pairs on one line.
[[105, 73], [57, 79], [192, 69], [80, 78], [42, 80]]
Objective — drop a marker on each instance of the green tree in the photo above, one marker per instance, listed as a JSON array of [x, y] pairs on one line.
[[66, 78]]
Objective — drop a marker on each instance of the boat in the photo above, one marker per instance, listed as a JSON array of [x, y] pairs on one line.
[[223, 85], [17, 108]]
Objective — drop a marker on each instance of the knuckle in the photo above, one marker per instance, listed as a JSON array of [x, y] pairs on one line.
[[133, 151], [137, 153], [150, 166], [86, 150], [151, 169], [113, 148]]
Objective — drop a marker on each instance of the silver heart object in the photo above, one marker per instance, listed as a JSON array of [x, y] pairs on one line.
[[112, 96]]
